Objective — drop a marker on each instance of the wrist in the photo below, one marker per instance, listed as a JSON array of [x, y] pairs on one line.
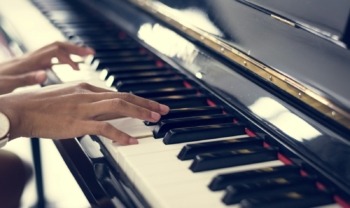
[[4, 129], [10, 67]]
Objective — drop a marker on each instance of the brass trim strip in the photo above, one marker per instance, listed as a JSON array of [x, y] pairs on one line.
[[283, 20], [288, 84]]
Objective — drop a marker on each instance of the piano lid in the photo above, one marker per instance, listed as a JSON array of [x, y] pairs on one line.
[[311, 67], [321, 17]]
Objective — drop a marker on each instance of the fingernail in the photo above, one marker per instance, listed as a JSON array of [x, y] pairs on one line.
[[164, 109], [40, 76], [90, 50], [133, 141], [155, 116]]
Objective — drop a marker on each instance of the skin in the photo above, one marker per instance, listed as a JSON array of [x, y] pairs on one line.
[[78, 109], [59, 111], [67, 111], [30, 68]]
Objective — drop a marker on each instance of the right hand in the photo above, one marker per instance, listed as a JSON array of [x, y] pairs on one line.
[[68, 111]]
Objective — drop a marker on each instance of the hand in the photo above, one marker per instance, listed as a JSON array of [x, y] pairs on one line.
[[28, 69], [8, 83], [68, 111], [41, 58]]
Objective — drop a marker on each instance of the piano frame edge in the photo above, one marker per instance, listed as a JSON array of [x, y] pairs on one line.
[[78, 163], [103, 185]]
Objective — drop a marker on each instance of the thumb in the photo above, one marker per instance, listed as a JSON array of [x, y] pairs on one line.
[[30, 78], [9, 83]]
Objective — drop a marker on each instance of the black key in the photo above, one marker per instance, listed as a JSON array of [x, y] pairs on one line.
[[166, 92], [104, 50], [195, 111], [299, 199], [128, 55], [107, 41], [223, 180], [74, 27], [122, 53], [190, 151], [187, 112], [235, 193], [84, 25], [136, 67], [116, 55], [123, 59], [124, 62], [198, 133], [116, 43], [87, 39], [120, 46], [175, 102], [87, 31], [166, 125], [97, 35], [149, 84], [143, 75], [107, 73], [211, 161], [108, 44]]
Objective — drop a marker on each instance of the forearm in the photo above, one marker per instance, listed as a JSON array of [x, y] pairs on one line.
[[10, 67]]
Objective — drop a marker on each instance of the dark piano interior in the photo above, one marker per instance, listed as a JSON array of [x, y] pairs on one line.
[[212, 96]]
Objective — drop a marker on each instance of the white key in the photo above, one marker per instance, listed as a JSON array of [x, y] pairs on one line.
[[132, 126], [163, 179], [150, 144], [172, 180], [85, 74]]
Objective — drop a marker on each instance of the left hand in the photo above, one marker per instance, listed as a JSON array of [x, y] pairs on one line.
[[41, 58], [8, 83], [28, 69]]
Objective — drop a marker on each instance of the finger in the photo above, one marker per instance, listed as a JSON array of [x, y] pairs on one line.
[[40, 76], [94, 88], [75, 49], [27, 79], [74, 92], [64, 58], [105, 94], [145, 103], [119, 107], [107, 130]]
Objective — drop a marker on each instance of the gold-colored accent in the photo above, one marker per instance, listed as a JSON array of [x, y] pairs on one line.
[[244, 151], [281, 180], [273, 76], [283, 20], [294, 195], [269, 169]]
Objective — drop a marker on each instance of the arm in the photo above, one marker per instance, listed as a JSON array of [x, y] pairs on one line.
[[67, 111]]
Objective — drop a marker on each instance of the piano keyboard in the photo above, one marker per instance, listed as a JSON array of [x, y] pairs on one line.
[[202, 154]]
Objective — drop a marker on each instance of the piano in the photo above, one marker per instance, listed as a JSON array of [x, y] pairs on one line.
[[258, 90]]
